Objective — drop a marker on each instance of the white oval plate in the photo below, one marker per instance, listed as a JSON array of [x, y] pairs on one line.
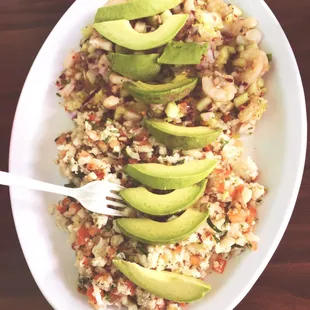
[[278, 147]]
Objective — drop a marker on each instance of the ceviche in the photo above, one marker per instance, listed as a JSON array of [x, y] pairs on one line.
[[160, 93]]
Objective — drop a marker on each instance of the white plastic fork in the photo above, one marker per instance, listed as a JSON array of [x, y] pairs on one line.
[[93, 196]]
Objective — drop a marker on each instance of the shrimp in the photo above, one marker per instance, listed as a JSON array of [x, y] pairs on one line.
[[218, 6], [257, 65], [220, 88], [239, 26], [254, 110]]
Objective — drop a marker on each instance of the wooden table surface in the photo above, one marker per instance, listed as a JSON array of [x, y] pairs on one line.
[[24, 25]]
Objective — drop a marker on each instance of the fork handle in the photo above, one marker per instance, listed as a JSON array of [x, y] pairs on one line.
[[11, 179]]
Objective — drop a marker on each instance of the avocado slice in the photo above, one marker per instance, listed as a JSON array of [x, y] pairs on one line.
[[180, 53], [136, 67], [122, 33], [175, 90], [152, 232], [179, 137], [165, 177], [168, 285], [134, 9], [161, 205]]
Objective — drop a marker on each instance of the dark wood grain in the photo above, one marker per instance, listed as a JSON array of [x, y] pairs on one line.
[[24, 25]]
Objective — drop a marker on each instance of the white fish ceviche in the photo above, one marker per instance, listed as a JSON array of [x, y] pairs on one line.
[[207, 76]]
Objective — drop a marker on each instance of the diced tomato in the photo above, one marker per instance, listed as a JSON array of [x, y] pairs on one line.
[[75, 206], [227, 118], [93, 231], [85, 261], [208, 234], [100, 174], [178, 249], [81, 236], [195, 260], [144, 142], [91, 166], [82, 290], [237, 191], [250, 229], [142, 135], [87, 252], [61, 140], [237, 216], [219, 265], [61, 208], [183, 107], [97, 276], [132, 161], [160, 307], [114, 295], [83, 154], [66, 202], [122, 133], [74, 246], [222, 172], [111, 252], [219, 183], [207, 148], [101, 276], [131, 287], [92, 117], [252, 215], [62, 154], [90, 295], [114, 143], [253, 245]]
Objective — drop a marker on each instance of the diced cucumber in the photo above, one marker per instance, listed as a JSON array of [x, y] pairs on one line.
[[124, 92], [203, 104], [252, 45], [153, 21], [119, 112], [165, 15], [239, 62], [240, 48], [232, 50], [260, 83], [253, 89], [99, 97], [240, 100], [87, 32], [172, 110]]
